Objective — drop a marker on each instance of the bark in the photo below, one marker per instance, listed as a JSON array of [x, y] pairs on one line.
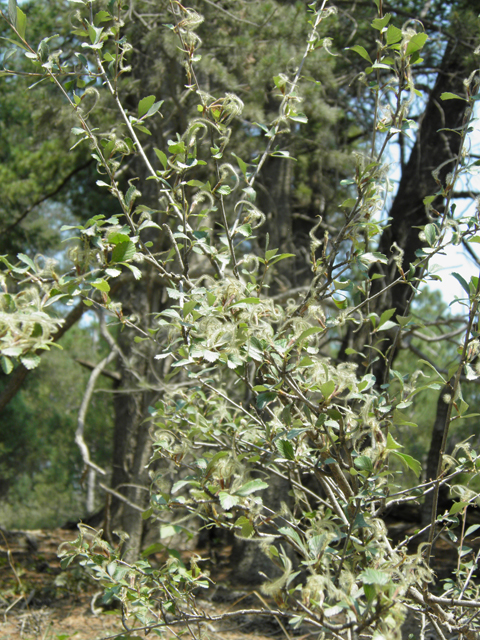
[[434, 452], [131, 440]]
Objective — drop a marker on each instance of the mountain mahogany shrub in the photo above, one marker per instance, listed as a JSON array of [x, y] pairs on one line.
[[247, 395]]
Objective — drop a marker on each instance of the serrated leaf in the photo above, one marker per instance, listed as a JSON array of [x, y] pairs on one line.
[[30, 361], [380, 23], [247, 529], [416, 43], [285, 449], [123, 251], [244, 230], [137, 274], [101, 285], [372, 576], [393, 34], [227, 500]]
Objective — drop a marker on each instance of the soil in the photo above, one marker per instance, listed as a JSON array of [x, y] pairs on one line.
[[40, 601]]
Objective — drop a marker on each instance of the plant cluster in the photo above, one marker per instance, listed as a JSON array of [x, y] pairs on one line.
[[247, 392]]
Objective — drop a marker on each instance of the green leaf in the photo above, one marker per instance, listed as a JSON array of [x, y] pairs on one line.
[[292, 534], [416, 43], [162, 157], [282, 256], [94, 33], [285, 449], [431, 232], [265, 398], [462, 281], [393, 34], [123, 251], [386, 315], [472, 529], [101, 16], [21, 23], [361, 52], [380, 23], [251, 487], [101, 285], [327, 388], [241, 164], [144, 105], [457, 507], [364, 463], [371, 257], [408, 462], [392, 444], [7, 364], [307, 333], [227, 500], [372, 576], [270, 254], [156, 547], [245, 301], [30, 360], [246, 527], [244, 230], [446, 95], [12, 12], [27, 260], [387, 325]]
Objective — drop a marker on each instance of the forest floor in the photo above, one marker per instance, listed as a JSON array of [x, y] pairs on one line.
[[39, 601]]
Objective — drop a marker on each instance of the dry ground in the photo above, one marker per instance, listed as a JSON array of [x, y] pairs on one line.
[[39, 601]]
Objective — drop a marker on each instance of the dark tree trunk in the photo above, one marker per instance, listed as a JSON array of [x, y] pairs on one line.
[[433, 150], [434, 454]]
